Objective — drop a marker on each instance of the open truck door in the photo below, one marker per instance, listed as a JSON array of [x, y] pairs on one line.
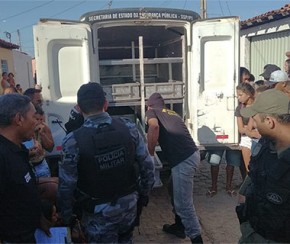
[[63, 64], [214, 70]]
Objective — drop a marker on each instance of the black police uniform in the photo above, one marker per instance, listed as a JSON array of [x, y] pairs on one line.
[[19, 200], [107, 158], [267, 205]]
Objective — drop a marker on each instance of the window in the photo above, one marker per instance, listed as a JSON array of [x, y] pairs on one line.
[[4, 66]]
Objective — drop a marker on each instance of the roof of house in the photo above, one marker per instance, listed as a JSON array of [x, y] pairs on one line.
[[8, 45], [267, 17]]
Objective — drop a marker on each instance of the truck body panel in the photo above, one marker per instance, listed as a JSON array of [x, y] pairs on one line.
[[133, 53], [215, 62]]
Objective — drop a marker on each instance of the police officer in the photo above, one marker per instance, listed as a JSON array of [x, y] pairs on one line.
[[20, 206], [102, 162], [166, 127], [265, 215]]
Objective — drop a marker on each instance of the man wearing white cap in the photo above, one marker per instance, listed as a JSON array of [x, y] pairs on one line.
[[265, 215], [277, 79]]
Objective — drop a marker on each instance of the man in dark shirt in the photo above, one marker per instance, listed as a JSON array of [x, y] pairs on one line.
[[20, 212], [264, 216], [166, 127]]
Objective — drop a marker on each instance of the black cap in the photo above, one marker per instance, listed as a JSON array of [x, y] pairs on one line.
[[268, 69], [91, 91], [155, 101]]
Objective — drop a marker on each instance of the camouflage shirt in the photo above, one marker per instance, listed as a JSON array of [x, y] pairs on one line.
[[68, 174]]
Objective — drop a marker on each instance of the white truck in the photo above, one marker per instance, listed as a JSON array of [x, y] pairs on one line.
[[133, 53]]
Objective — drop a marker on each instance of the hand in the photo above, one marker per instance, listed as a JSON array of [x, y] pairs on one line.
[[41, 128], [35, 150], [247, 132], [77, 108], [37, 145], [45, 225], [241, 199]]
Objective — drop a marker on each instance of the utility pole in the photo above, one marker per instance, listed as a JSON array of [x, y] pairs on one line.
[[203, 9], [19, 40], [110, 4]]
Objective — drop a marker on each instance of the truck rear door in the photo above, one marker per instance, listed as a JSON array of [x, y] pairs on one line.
[[213, 69], [63, 54]]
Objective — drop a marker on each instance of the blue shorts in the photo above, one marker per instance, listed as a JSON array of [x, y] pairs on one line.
[[233, 157]]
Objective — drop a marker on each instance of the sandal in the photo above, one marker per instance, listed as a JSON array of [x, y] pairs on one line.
[[231, 193], [211, 193]]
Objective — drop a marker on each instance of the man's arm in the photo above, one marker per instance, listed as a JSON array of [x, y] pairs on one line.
[[152, 135], [76, 119], [68, 176]]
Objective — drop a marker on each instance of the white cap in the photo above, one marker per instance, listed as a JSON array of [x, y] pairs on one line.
[[278, 76], [38, 87]]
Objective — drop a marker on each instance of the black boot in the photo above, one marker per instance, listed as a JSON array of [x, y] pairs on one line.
[[197, 239], [176, 229]]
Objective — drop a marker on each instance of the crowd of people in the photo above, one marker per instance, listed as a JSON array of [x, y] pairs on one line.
[[102, 150], [263, 119], [8, 84]]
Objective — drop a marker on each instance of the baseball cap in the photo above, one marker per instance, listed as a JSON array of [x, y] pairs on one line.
[[155, 101], [268, 69], [269, 102], [278, 76], [91, 91]]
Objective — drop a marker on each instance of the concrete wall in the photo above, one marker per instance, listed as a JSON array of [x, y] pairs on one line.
[[6, 54], [23, 69], [264, 44]]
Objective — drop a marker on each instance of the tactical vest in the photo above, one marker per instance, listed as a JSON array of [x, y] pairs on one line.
[[268, 203], [106, 168]]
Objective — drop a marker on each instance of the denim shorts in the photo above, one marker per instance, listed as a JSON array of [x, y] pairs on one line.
[[233, 157]]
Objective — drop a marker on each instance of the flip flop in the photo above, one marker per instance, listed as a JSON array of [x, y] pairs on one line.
[[211, 193], [231, 193]]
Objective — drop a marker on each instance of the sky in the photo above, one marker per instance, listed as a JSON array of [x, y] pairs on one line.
[[18, 17]]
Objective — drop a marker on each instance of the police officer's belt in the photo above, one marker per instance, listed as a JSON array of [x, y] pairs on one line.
[[88, 203]]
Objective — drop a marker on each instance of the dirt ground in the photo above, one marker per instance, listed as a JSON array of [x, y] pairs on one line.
[[217, 214]]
